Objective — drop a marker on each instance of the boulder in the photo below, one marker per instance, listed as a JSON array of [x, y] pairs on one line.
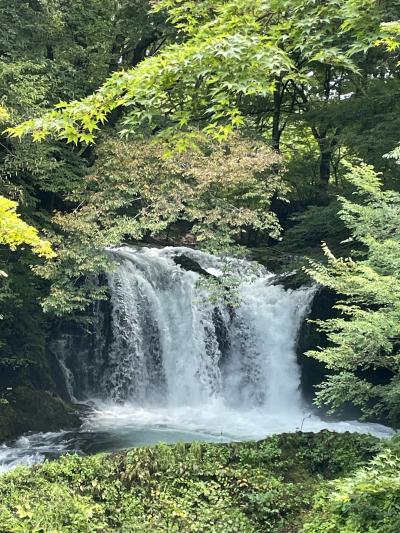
[[26, 409]]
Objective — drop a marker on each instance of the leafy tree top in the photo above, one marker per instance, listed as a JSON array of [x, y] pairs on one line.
[[135, 190], [227, 51]]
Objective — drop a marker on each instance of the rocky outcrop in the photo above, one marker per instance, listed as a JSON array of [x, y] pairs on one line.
[[187, 263], [313, 371], [26, 409]]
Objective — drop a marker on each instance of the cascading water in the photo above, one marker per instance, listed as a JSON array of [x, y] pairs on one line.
[[171, 346], [176, 361], [165, 363]]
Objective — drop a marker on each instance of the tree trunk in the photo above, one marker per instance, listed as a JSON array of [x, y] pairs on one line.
[[276, 119], [325, 170], [327, 141]]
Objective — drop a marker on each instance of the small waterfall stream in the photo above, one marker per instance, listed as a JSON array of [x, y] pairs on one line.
[[167, 363]]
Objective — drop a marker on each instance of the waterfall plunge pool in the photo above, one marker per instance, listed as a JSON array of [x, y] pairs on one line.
[[111, 427], [169, 365]]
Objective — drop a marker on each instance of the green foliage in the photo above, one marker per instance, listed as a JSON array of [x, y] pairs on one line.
[[367, 501], [134, 190], [229, 51], [49, 51], [247, 487], [14, 231], [214, 67], [371, 123], [366, 336]]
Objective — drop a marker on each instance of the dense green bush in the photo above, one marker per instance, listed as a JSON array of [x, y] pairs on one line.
[[368, 501], [240, 487]]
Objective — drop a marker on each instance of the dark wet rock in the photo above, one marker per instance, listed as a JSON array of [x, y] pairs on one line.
[[187, 263], [26, 409], [292, 280], [313, 371]]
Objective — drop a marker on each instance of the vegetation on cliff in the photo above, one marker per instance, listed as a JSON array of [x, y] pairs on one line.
[[363, 345]]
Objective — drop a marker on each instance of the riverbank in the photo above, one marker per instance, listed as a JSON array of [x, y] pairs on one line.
[[282, 483]]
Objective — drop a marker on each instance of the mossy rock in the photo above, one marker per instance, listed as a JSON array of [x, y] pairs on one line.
[[28, 409], [8, 420]]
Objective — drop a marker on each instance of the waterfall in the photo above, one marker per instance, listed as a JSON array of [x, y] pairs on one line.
[[165, 364], [172, 346]]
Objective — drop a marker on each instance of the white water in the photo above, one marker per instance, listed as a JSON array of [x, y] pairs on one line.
[[32, 449], [178, 367], [173, 347]]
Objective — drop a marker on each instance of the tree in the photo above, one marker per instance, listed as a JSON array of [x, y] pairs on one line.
[[363, 353], [15, 232], [134, 191], [293, 58], [49, 50]]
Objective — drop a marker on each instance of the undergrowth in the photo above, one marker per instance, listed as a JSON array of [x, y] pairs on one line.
[[286, 483]]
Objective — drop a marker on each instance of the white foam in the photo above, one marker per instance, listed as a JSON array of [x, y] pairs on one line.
[[217, 420]]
